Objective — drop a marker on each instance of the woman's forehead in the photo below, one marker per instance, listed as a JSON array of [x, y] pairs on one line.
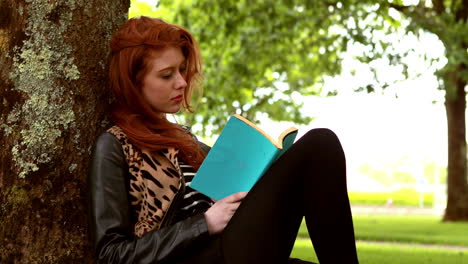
[[167, 57]]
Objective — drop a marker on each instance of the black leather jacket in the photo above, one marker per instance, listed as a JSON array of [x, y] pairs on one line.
[[110, 217]]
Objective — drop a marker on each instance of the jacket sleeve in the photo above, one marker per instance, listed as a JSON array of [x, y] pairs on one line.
[[110, 218]]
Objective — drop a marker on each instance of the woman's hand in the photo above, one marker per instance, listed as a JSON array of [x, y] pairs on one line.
[[219, 215]]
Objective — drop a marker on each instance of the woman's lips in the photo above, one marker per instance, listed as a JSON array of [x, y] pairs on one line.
[[177, 99]]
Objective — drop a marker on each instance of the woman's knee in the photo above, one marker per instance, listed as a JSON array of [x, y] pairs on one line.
[[322, 141], [320, 135]]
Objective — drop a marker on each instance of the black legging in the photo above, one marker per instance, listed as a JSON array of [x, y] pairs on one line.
[[309, 181]]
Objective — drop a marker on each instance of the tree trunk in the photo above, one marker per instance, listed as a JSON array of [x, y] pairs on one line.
[[457, 186], [450, 24], [52, 84]]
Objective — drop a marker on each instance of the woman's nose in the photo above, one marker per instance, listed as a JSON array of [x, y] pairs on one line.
[[181, 83]]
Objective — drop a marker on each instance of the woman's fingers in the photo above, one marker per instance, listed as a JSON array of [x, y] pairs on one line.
[[236, 197], [233, 201], [221, 212]]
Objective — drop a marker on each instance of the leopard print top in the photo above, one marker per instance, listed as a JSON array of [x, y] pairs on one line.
[[155, 179]]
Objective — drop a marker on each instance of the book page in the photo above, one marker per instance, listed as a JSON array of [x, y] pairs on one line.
[[277, 143]]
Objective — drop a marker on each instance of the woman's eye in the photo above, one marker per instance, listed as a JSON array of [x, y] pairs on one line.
[[167, 76]]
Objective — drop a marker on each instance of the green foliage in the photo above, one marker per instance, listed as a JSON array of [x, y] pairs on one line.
[[138, 8], [400, 172], [449, 21], [403, 176], [383, 177], [259, 55], [432, 171]]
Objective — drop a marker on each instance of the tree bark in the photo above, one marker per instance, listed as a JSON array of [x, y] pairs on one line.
[[53, 58], [457, 186]]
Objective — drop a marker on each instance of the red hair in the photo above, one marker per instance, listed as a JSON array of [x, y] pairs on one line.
[[132, 46]]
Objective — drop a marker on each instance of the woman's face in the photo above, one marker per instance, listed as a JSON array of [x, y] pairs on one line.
[[164, 84]]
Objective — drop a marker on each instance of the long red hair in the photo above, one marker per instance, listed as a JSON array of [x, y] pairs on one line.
[[132, 47]]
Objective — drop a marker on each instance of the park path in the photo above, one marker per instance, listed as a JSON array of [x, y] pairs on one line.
[[401, 210]]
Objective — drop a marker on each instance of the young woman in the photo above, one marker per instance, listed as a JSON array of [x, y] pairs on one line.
[[142, 209]]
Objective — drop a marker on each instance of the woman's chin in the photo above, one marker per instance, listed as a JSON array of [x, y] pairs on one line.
[[173, 110]]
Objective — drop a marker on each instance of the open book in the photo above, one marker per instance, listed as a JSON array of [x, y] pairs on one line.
[[239, 157]]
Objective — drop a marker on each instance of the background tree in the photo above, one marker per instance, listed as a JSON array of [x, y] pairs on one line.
[[449, 21], [52, 88], [253, 48]]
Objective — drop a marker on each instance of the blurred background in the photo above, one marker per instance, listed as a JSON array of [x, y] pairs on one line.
[[388, 77], [380, 88]]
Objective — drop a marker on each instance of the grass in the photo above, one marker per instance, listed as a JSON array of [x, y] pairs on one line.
[[390, 254], [406, 229], [407, 233], [410, 229], [402, 197]]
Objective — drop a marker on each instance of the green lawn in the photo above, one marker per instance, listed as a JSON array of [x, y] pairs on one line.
[[406, 232], [407, 229], [389, 254], [410, 229]]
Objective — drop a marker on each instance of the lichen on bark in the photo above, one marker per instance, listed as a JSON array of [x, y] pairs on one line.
[[40, 68]]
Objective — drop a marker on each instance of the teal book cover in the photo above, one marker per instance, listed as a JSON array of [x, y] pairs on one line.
[[239, 157]]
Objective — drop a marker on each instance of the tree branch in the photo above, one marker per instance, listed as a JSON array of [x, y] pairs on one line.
[[411, 11], [400, 8], [423, 16], [439, 6], [462, 13]]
